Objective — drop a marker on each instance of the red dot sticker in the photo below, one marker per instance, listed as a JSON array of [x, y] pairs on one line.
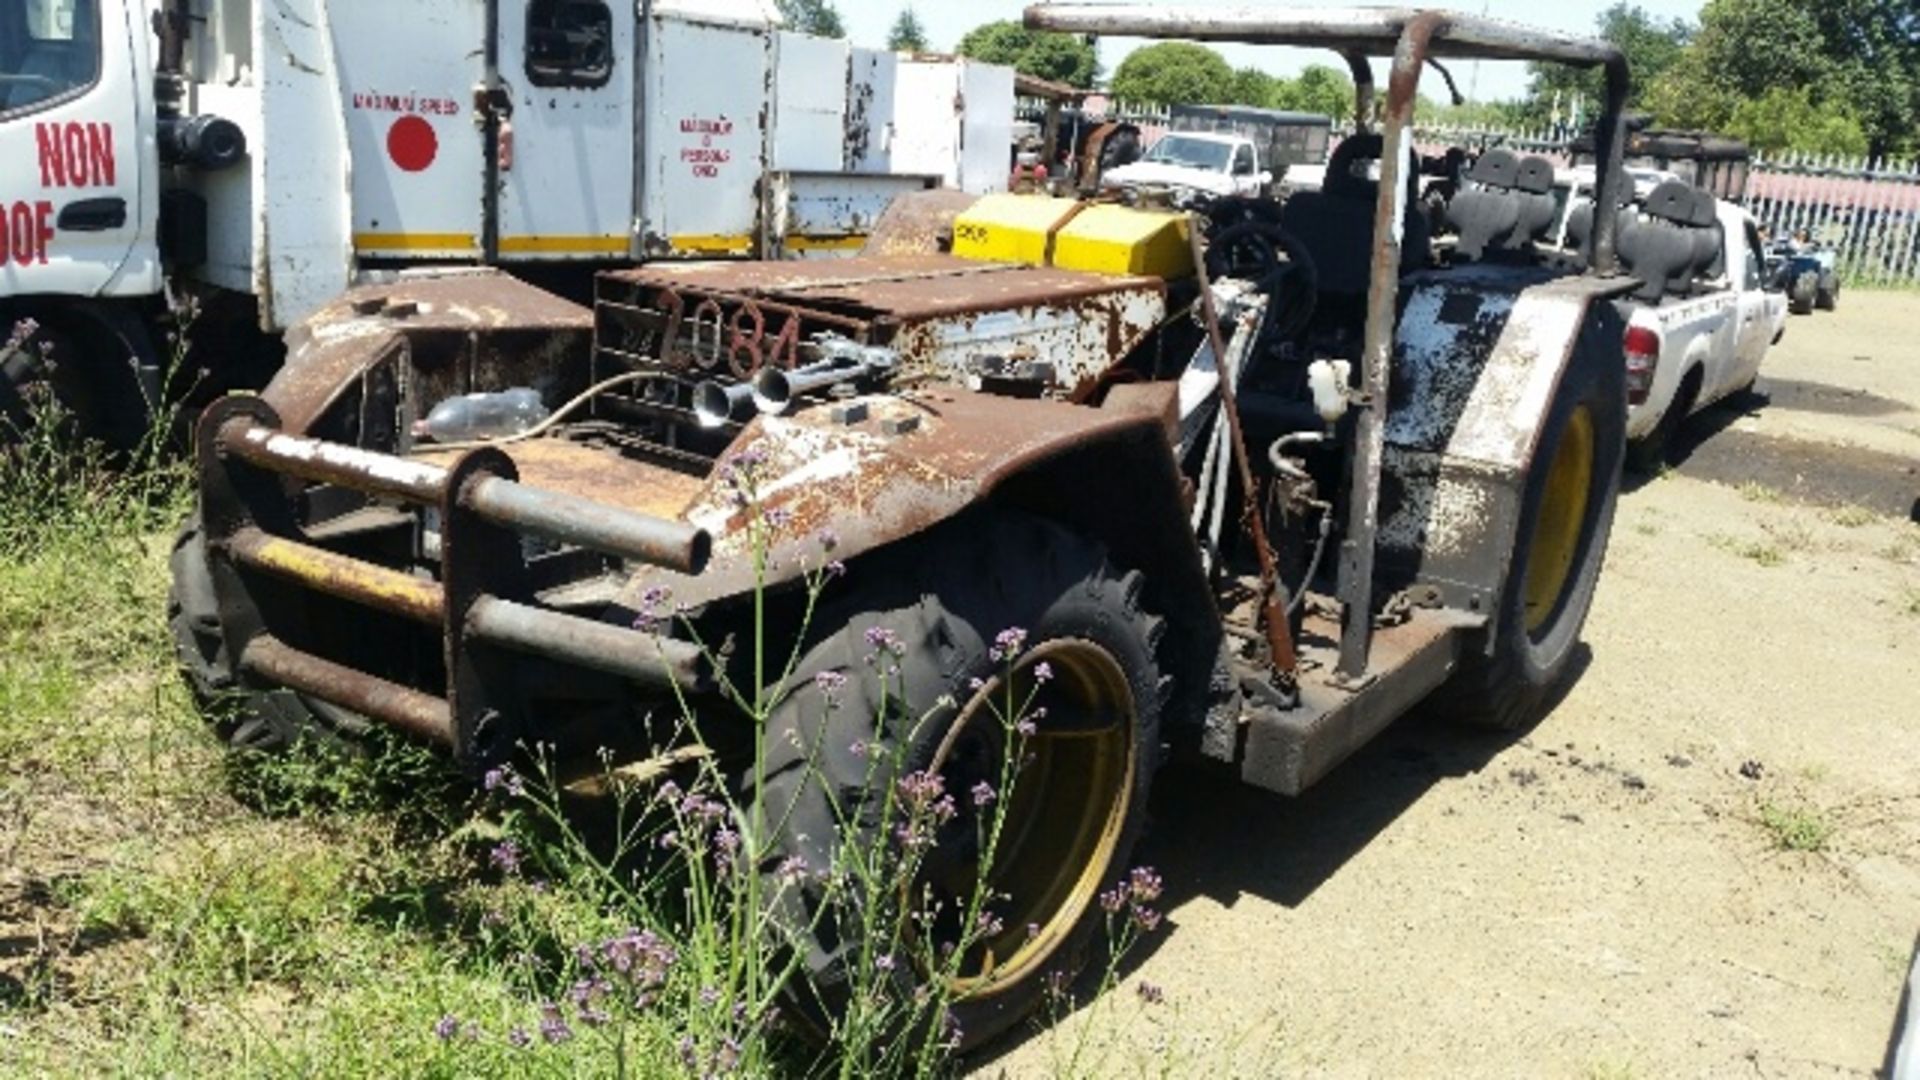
[[412, 144]]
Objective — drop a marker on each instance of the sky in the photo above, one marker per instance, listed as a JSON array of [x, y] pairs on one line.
[[867, 22]]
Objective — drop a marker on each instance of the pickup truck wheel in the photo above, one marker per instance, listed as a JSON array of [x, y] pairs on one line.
[[865, 708], [247, 720], [1803, 292], [1827, 296], [1566, 512]]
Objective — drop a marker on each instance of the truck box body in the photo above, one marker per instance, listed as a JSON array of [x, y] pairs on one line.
[[671, 128]]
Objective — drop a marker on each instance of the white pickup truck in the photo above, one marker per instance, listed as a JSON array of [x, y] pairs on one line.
[[1213, 163], [1703, 319]]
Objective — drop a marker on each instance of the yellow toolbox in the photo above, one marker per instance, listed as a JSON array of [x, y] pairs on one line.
[[1109, 239], [1011, 228]]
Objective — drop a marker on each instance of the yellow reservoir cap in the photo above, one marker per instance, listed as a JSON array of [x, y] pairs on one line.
[[1010, 228], [1108, 239]]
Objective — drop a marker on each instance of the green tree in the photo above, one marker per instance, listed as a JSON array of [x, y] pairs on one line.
[[1854, 59], [1318, 89], [1651, 47], [1041, 54], [1251, 86], [817, 17], [907, 34], [1173, 73], [1787, 119]]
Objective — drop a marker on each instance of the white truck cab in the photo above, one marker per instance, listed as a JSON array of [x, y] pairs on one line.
[[76, 123], [1204, 161]]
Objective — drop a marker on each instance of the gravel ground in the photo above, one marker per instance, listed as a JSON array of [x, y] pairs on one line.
[[1705, 861]]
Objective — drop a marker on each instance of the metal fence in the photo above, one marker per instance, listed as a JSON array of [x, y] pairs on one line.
[[1866, 209]]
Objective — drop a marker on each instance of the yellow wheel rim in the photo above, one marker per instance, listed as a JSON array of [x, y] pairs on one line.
[[1563, 512], [1064, 821]]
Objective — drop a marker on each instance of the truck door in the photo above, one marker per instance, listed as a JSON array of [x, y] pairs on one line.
[[71, 104], [566, 155], [1754, 330]]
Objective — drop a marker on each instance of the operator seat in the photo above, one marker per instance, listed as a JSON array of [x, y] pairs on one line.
[[1335, 224], [1508, 208], [1657, 245]]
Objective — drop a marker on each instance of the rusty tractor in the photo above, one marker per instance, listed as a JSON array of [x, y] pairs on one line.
[[1254, 482]]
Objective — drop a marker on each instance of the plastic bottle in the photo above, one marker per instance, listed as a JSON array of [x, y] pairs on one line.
[[483, 416]]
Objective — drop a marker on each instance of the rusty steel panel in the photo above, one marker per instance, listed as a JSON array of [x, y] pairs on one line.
[[914, 460], [937, 311], [498, 319]]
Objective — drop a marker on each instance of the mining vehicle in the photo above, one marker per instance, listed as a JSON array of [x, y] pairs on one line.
[[1251, 486]]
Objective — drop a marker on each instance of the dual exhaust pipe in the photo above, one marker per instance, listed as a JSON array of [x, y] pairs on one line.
[[773, 391]]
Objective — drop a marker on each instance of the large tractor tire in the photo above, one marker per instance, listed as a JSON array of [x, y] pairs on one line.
[[246, 719], [1566, 513], [1803, 292], [929, 613]]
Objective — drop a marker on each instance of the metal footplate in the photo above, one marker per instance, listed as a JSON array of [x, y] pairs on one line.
[[479, 602]]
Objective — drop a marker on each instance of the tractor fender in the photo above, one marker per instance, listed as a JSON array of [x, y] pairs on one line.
[[833, 482], [1477, 359]]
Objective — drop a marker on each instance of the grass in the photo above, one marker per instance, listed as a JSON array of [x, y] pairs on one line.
[[1795, 827], [1760, 551], [1908, 601], [344, 914], [1757, 492]]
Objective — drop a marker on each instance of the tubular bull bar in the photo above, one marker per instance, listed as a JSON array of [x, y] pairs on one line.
[[248, 511]]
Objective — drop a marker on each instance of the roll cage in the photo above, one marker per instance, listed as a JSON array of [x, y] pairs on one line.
[[1413, 38]]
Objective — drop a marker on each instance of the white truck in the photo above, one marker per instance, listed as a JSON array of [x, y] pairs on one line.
[[260, 158], [1702, 320], [1215, 150]]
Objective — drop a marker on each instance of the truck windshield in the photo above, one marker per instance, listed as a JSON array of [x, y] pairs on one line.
[[1193, 153], [48, 49]]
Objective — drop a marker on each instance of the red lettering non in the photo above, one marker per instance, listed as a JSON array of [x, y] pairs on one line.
[[100, 153], [74, 141], [53, 166]]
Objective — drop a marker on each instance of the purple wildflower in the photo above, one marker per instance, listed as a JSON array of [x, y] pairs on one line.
[[836, 568], [553, 1026], [1144, 884], [503, 777], [1026, 727], [830, 683], [506, 857], [709, 996], [883, 640], [1145, 919], [921, 788], [883, 962], [1150, 993], [519, 1037], [1008, 643], [727, 1056], [445, 1027], [1113, 899], [988, 924], [828, 539], [792, 868], [983, 794], [686, 1047], [943, 809], [1043, 672], [651, 617], [859, 748], [726, 841]]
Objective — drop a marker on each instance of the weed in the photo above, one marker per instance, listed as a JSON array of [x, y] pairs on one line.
[[1852, 516], [1908, 602], [1766, 554], [1647, 529], [1757, 492], [1795, 828]]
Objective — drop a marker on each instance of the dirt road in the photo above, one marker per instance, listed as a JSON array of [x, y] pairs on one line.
[[1704, 862]]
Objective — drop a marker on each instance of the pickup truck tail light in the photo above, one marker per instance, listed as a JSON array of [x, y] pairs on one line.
[[1643, 356]]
